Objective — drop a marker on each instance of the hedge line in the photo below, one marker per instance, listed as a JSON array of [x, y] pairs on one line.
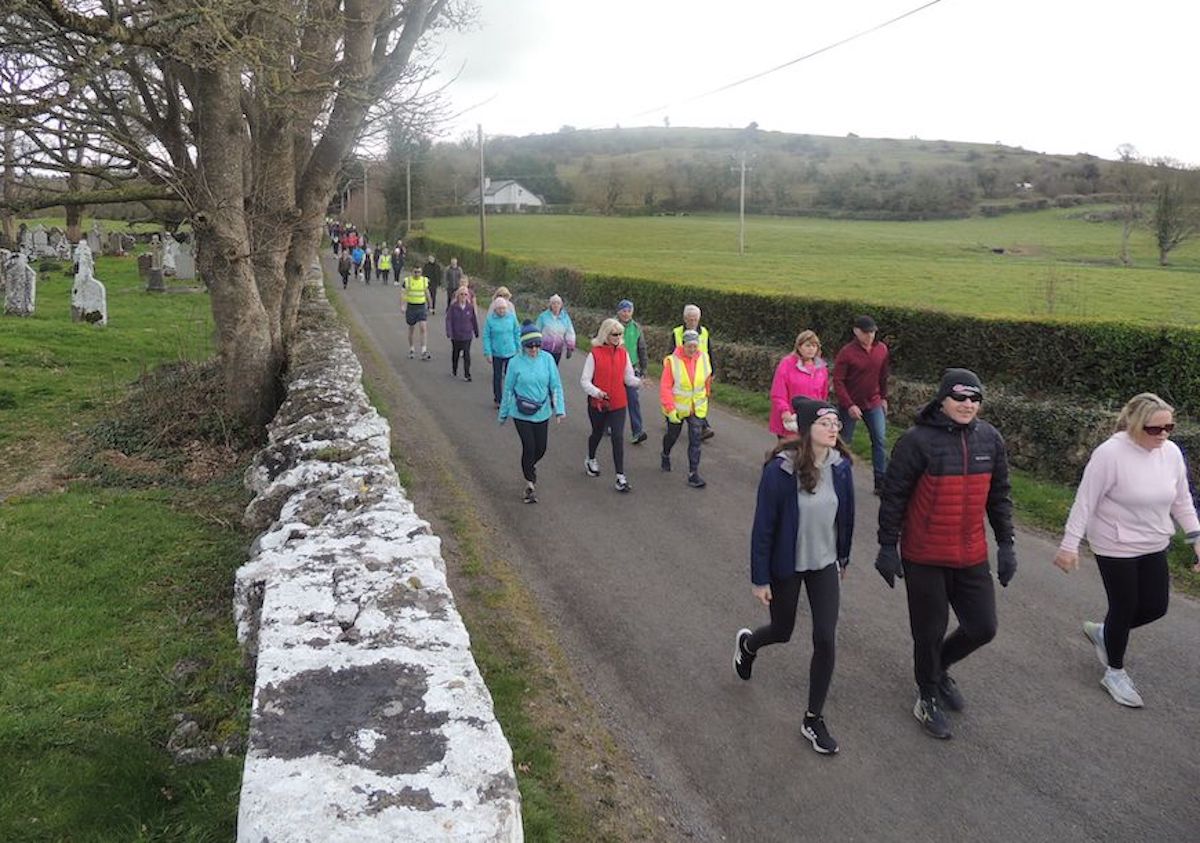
[[1098, 361]]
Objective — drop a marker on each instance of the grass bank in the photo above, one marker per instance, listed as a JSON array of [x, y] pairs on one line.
[[119, 514]]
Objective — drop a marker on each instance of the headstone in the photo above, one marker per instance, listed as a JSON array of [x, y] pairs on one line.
[[128, 241], [185, 263], [63, 250], [20, 286], [5, 257], [26, 241], [145, 264], [170, 250], [89, 298], [56, 237], [41, 241], [94, 237], [115, 245], [155, 283]]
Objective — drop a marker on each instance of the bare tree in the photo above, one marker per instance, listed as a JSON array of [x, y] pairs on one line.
[[1131, 182], [1175, 216], [243, 110]]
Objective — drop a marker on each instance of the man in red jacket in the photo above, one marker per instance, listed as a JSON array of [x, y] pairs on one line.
[[860, 381], [947, 471]]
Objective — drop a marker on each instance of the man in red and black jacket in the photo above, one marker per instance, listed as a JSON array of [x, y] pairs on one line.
[[945, 473]]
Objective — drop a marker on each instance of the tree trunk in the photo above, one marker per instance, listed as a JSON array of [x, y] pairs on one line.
[[8, 226], [250, 360], [1126, 230]]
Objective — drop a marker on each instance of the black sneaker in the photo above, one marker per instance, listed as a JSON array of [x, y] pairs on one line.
[[707, 434], [814, 729], [932, 717], [743, 659], [530, 495], [696, 481], [467, 378], [640, 438], [666, 462], [948, 691]]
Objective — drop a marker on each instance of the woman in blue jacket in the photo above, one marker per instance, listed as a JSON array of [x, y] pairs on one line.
[[532, 393], [501, 339], [803, 525]]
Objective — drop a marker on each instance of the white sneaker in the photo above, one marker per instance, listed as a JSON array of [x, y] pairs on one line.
[[1120, 687], [592, 467], [1095, 634]]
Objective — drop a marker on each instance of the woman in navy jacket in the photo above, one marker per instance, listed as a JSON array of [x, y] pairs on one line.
[[803, 525]]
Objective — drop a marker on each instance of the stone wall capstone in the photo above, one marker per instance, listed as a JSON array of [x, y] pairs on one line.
[[370, 719]]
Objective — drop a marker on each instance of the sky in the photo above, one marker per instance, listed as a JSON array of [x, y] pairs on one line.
[[1056, 76]]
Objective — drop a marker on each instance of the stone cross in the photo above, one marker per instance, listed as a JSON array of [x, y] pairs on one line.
[[156, 252], [20, 286]]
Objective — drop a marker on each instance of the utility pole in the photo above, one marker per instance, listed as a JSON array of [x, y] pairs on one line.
[[366, 204], [407, 197], [482, 215], [742, 207]]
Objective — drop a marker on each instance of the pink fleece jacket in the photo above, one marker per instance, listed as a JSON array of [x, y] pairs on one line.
[[790, 381], [1127, 498]]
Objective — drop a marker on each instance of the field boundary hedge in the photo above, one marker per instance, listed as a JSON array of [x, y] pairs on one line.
[[1100, 362]]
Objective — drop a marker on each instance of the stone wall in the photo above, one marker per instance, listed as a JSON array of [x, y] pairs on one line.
[[370, 720]]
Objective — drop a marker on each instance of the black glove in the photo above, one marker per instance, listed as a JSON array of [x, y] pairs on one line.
[[1006, 563], [887, 563]]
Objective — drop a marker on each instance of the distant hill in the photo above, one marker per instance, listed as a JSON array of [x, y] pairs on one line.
[[673, 170]]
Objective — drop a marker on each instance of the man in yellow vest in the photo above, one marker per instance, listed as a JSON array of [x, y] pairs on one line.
[[683, 392], [691, 322], [415, 295], [383, 263]]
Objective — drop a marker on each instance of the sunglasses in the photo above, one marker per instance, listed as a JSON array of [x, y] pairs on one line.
[[617, 334], [974, 399], [1159, 429]]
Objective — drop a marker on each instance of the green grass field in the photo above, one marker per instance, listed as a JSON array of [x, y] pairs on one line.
[[1055, 264], [113, 575]]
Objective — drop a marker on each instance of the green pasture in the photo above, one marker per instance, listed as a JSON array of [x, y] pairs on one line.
[[1054, 264]]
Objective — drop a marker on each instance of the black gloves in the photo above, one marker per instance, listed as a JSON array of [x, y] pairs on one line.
[[1006, 563], [887, 563]]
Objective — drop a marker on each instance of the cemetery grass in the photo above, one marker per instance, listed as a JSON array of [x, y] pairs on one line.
[[114, 580], [1055, 264]]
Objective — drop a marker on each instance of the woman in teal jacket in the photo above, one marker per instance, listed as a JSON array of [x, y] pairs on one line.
[[532, 393], [501, 339]]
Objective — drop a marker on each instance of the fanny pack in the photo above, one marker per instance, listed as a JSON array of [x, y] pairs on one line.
[[527, 406]]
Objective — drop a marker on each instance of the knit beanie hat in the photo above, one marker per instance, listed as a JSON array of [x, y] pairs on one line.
[[530, 335], [624, 304], [808, 410], [959, 382]]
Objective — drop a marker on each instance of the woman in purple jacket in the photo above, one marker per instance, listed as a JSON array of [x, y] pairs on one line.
[[461, 328]]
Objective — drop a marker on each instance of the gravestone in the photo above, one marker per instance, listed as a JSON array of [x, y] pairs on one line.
[[20, 286], [128, 241], [85, 263], [26, 240], [56, 237], [169, 253], [145, 263], [63, 250], [5, 257], [89, 298], [94, 237], [185, 263], [155, 282], [115, 245], [41, 241]]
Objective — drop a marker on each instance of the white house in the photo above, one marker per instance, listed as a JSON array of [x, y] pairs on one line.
[[504, 195]]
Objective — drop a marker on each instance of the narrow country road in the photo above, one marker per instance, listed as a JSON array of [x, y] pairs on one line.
[[649, 588]]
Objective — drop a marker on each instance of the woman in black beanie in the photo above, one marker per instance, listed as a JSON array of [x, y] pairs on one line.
[[803, 526]]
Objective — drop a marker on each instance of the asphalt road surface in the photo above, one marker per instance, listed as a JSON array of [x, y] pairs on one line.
[[648, 589]]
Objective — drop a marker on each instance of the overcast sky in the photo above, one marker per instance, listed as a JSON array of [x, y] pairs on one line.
[[1059, 76]]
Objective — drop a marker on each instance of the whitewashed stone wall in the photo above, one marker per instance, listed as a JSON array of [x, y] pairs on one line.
[[370, 719]]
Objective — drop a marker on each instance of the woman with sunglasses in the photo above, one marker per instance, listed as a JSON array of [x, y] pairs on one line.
[[606, 372], [1135, 482], [803, 526], [946, 473], [532, 393]]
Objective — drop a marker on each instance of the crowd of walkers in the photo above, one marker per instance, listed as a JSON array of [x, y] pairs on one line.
[[946, 478]]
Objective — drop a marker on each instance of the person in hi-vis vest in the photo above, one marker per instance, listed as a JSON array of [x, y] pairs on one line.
[[683, 392], [415, 296], [691, 322]]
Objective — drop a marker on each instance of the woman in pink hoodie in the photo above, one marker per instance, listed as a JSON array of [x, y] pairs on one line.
[[1134, 484], [803, 373]]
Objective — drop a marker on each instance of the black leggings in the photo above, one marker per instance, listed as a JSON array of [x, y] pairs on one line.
[[460, 347], [1138, 590], [932, 591], [534, 436], [824, 596], [614, 422]]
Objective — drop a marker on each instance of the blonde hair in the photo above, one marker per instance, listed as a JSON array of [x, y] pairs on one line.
[[1138, 410], [806, 336], [502, 292], [606, 328]]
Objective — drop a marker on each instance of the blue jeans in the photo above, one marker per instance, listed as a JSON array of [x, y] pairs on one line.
[[635, 411], [876, 421]]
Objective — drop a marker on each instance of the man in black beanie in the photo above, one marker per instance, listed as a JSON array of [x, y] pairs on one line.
[[946, 472]]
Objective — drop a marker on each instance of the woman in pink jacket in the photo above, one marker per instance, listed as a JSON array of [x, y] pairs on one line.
[[1134, 484], [801, 373]]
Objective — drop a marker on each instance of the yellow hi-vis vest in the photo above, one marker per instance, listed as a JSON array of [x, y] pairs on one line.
[[679, 329], [414, 289], [691, 397], [385, 262]]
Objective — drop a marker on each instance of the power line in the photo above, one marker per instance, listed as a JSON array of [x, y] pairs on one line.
[[787, 64]]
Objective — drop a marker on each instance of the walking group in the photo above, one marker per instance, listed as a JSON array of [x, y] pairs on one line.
[[947, 473]]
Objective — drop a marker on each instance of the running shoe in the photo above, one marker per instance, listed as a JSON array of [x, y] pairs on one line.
[[1095, 634], [411, 354], [622, 485], [467, 378], [530, 495], [425, 355], [640, 438], [743, 659], [592, 467], [666, 462], [949, 693], [696, 481], [1121, 688], [814, 729], [930, 715]]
